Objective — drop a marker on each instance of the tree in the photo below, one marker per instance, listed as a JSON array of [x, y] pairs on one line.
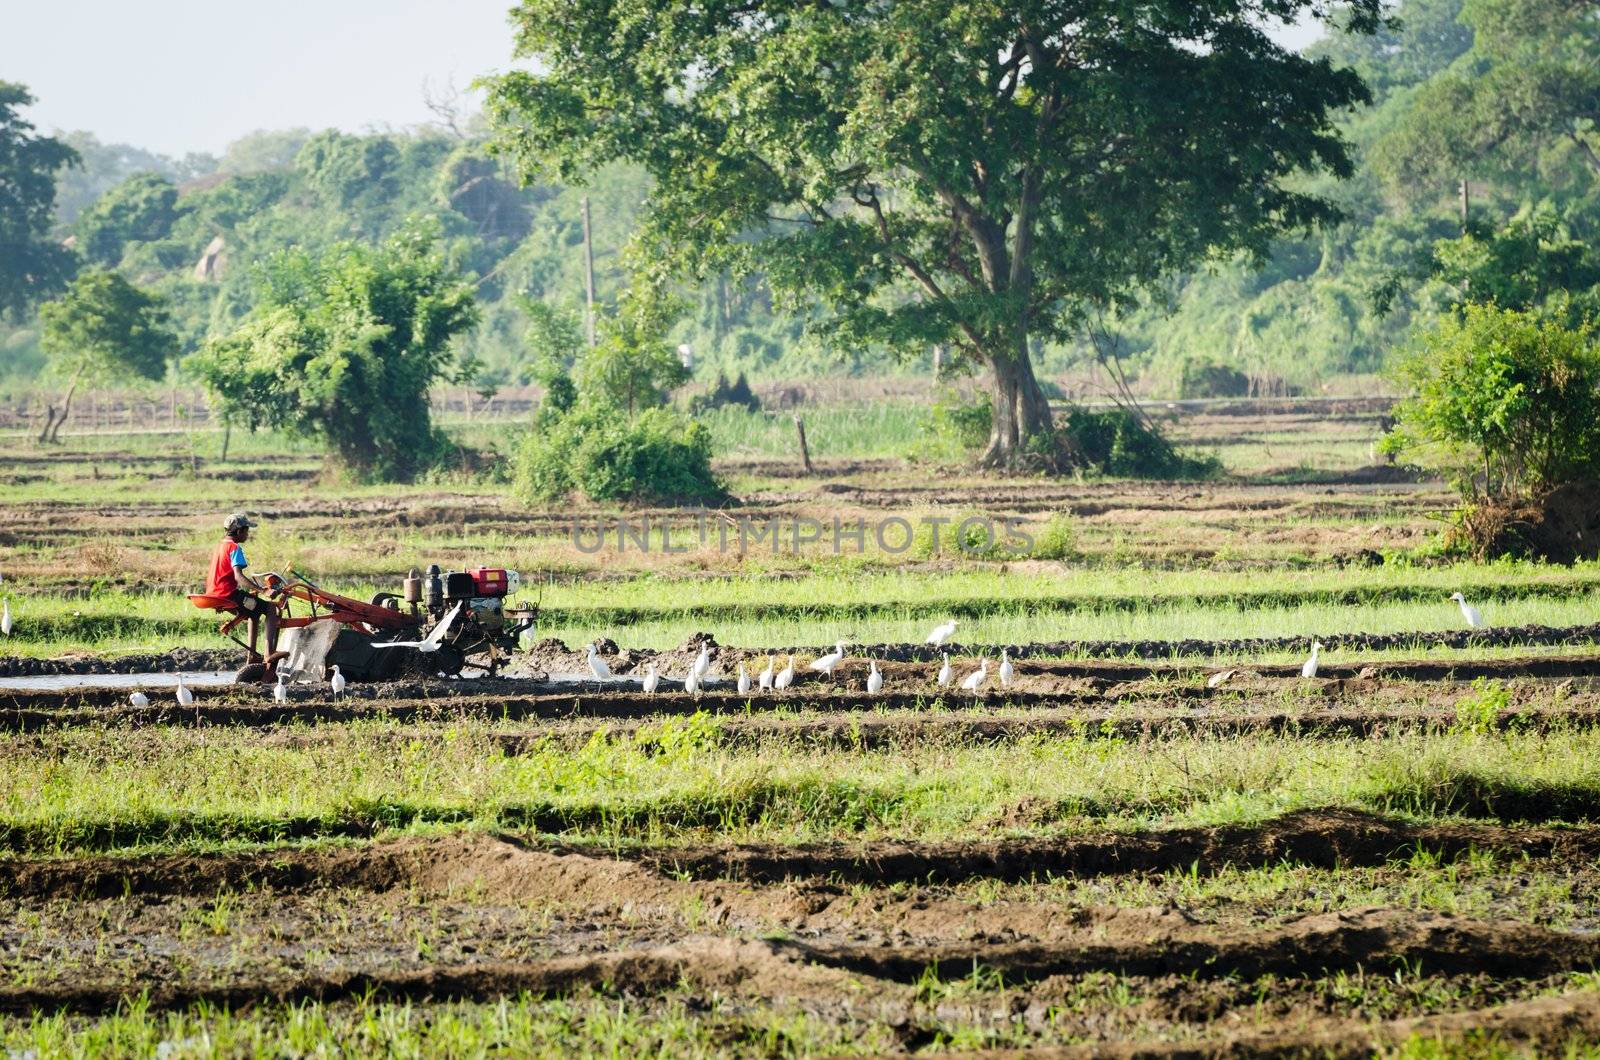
[[344, 347], [1526, 101], [104, 328], [977, 173], [32, 265], [142, 209], [631, 367]]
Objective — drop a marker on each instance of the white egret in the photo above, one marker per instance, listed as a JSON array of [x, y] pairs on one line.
[[280, 691], [976, 677], [874, 680], [942, 633], [1216, 679], [139, 699], [336, 682], [785, 676], [651, 679], [764, 681], [431, 642], [5, 617], [945, 673], [1310, 668], [597, 665], [691, 683], [744, 680], [702, 662], [185, 697], [830, 660], [1473, 616], [1006, 669]]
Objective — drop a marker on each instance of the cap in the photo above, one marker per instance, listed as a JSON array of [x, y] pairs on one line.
[[236, 521]]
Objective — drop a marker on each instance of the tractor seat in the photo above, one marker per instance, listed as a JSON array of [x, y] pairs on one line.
[[213, 603]]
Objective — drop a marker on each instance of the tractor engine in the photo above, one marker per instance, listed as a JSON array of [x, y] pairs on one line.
[[483, 590]]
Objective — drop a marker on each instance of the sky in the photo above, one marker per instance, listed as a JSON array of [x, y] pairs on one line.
[[175, 76]]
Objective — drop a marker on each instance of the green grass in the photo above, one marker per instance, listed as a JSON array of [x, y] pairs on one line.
[[995, 608], [111, 789]]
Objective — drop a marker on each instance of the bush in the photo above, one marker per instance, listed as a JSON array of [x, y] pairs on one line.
[[596, 450], [1208, 379], [736, 394], [1058, 539], [960, 422], [1117, 442], [1505, 403]]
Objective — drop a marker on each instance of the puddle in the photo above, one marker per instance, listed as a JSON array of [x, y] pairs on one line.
[[60, 682]]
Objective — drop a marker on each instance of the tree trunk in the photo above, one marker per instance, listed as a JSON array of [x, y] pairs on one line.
[[53, 429], [1021, 414]]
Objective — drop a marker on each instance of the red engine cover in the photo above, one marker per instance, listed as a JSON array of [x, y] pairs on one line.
[[490, 581]]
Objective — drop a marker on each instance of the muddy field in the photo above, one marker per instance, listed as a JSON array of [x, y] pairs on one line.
[[1158, 840]]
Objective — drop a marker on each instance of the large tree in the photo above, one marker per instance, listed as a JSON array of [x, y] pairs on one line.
[[32, 265], [972, 172]]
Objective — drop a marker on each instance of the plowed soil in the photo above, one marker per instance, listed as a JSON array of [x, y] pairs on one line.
[[478, 917]]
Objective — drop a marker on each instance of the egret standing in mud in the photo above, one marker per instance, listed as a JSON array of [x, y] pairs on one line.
[[945, 673], [827, 663], [691, 682], [651, 679], [1006, 669], [1473, 616], [702, 663], [5, 617], [976, 677], [336, 682], [785, 676], [139, 699], [185, 697], [1310, 668], [942, 633], [280, 691], [764, 681], [874, 680], [744, 680], [597, 665]]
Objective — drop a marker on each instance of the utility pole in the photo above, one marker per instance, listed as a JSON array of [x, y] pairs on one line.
[[588, 271]]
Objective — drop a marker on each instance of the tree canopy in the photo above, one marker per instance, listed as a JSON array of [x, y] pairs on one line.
[[102, 329], [344, 347], [32, 265], [976, 173]]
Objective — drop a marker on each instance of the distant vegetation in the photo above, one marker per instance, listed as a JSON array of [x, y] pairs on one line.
[[1474, 177]]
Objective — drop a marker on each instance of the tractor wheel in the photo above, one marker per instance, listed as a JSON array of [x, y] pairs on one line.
[[389, 600]]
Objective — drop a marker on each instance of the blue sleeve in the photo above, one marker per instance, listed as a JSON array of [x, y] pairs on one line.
[[237, 558]]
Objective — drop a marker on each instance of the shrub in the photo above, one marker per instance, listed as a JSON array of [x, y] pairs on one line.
[[595, 449], [1208, 379], [1058, 539], [961, 422], [1506, 403], [736, 394], [1117, 442]]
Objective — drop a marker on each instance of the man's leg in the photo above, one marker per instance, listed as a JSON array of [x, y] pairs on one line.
[[255, 630], [271, 617]]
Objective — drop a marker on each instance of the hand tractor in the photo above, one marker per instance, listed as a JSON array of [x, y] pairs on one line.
[[481, 634]]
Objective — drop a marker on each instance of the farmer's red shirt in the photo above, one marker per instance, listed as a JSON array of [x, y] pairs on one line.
[[223, 582]]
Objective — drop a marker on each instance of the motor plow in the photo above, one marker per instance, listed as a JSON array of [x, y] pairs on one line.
[[456, 623]]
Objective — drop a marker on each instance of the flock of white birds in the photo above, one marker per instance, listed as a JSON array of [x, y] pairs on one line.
[[769, 679]]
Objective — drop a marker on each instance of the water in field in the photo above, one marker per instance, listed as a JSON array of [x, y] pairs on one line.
[[58, 682]]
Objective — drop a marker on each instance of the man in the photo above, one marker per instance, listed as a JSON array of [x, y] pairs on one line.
[[228, 578]]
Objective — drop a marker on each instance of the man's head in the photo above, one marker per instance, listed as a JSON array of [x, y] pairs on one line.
[[238, 526]]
